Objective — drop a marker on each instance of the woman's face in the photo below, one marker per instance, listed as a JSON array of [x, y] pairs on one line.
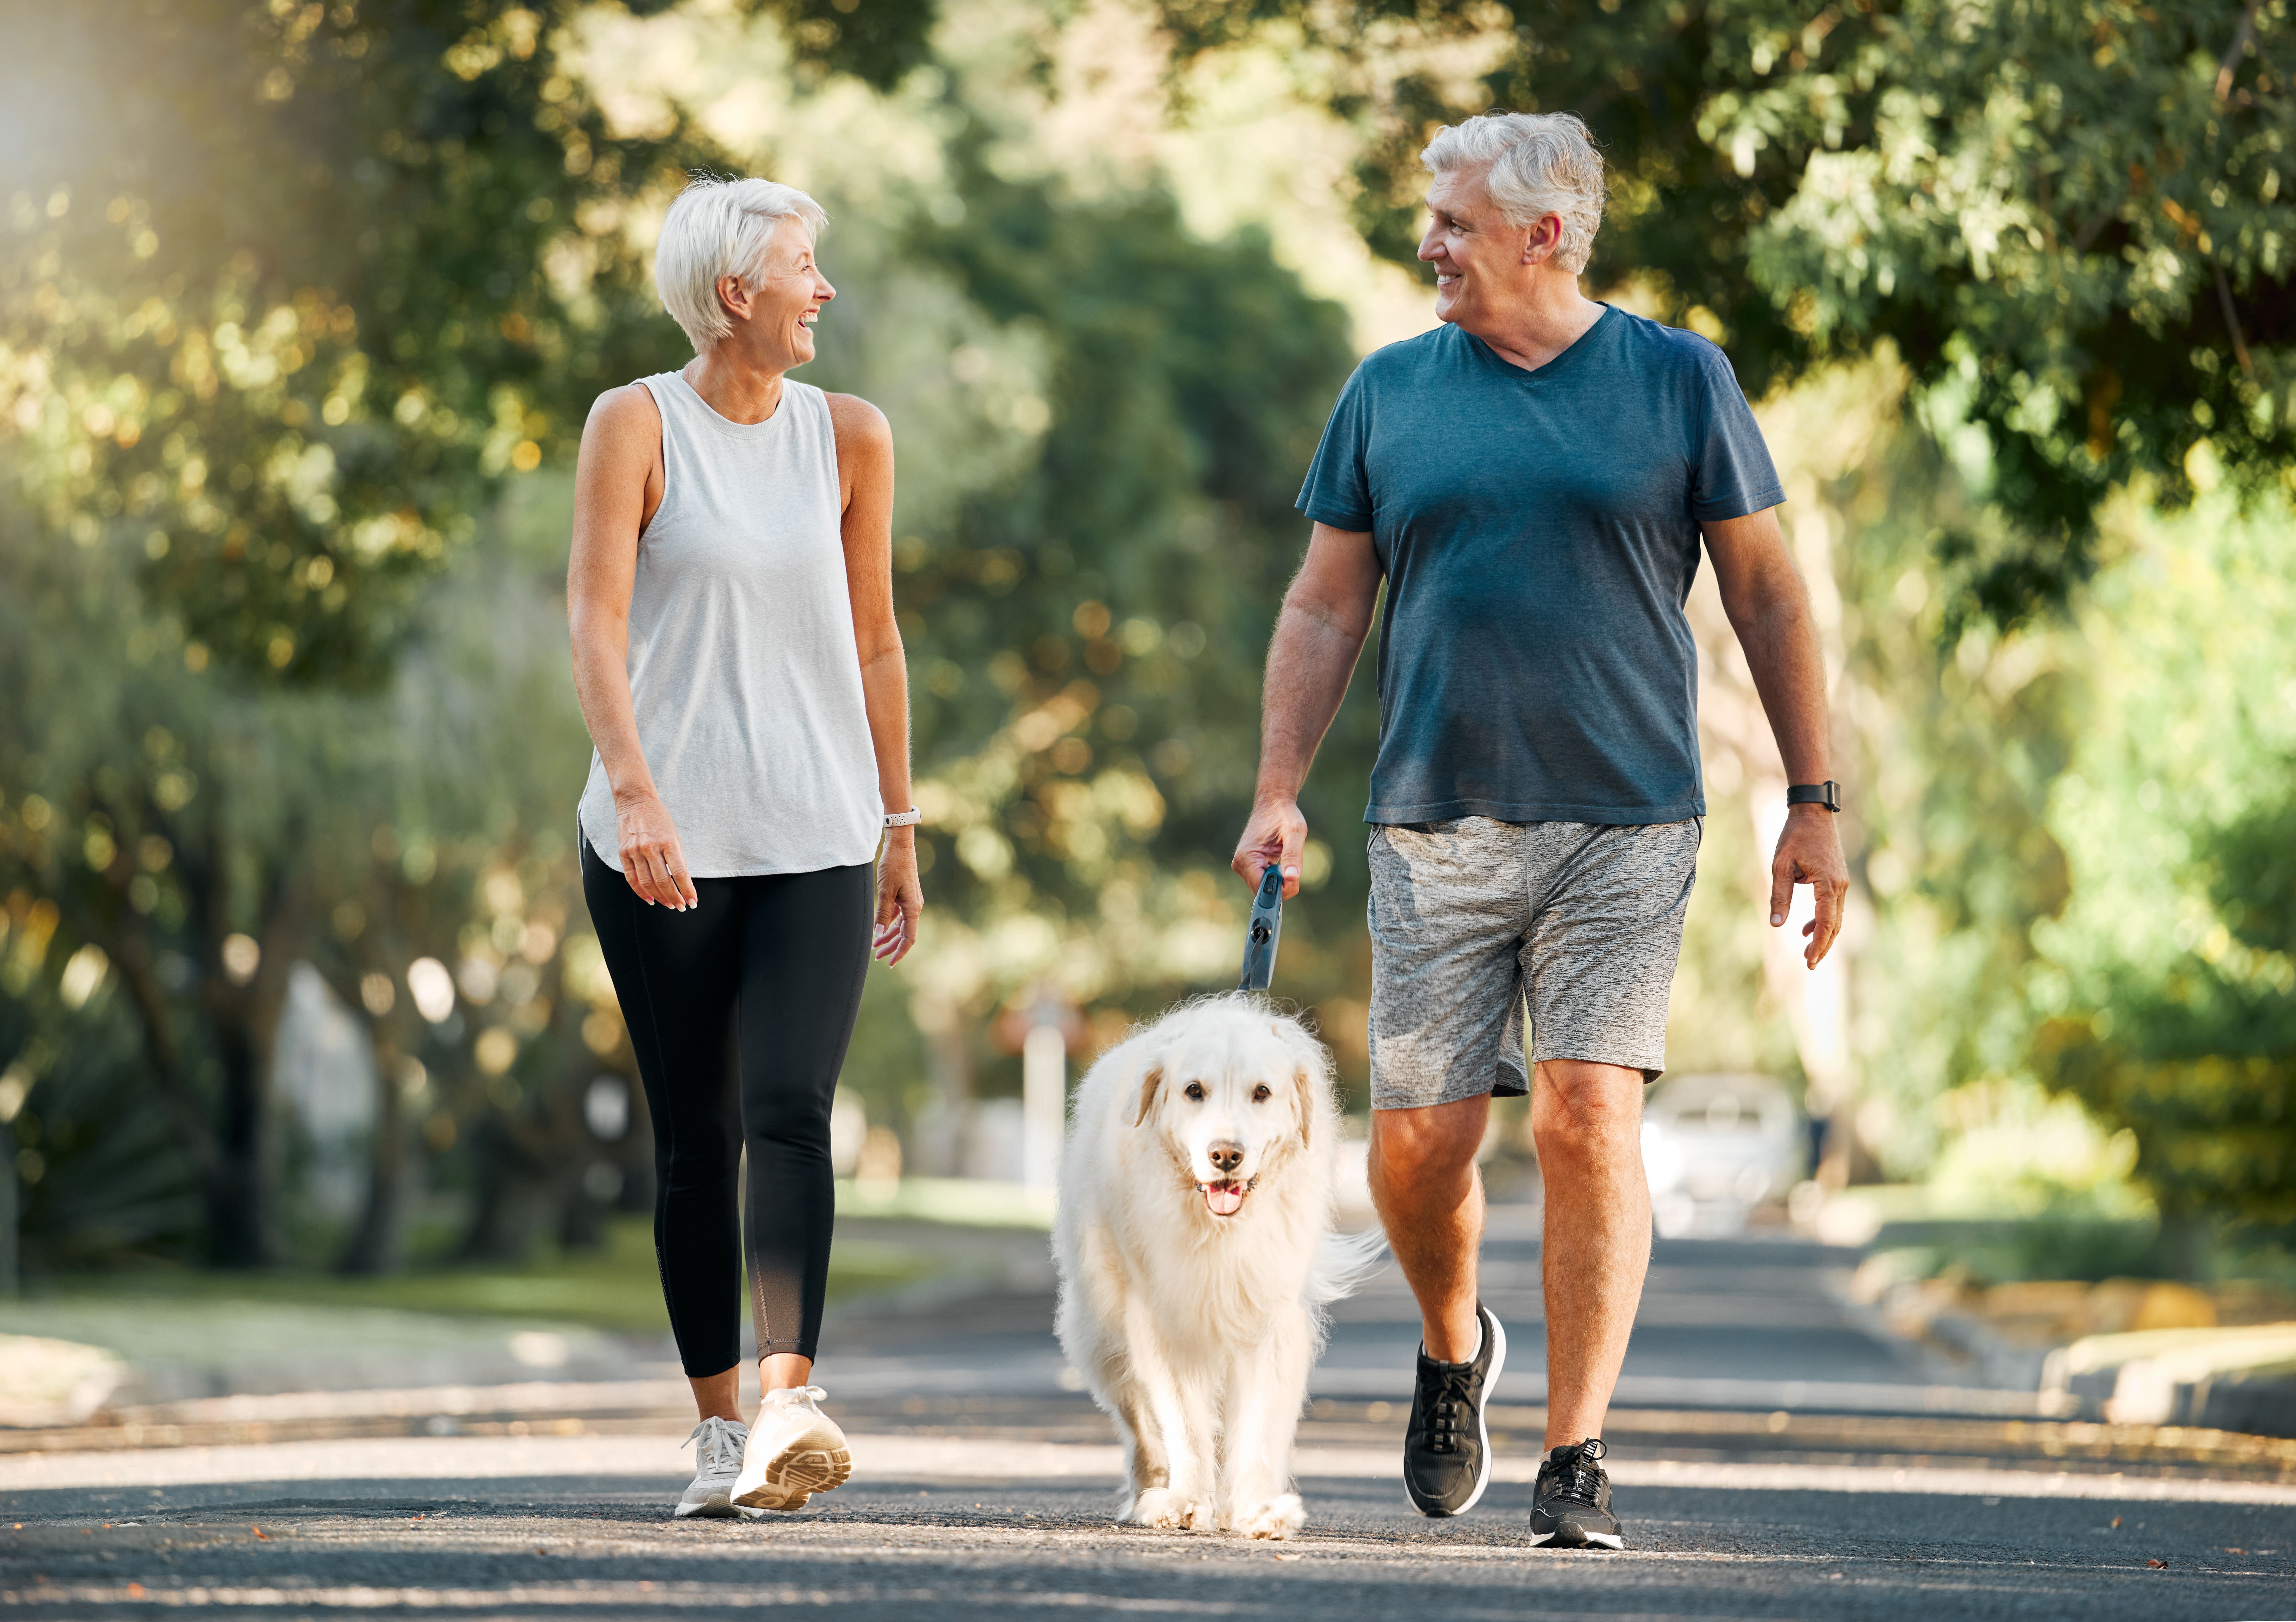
[[784, 301]]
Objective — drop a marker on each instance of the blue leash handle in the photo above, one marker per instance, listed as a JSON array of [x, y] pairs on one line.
[[1267, 928]]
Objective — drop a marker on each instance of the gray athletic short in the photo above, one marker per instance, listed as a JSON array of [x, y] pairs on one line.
[[1470, 919]]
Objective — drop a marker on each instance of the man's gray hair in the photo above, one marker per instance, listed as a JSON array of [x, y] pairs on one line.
[[1541, 163], [720, 227]]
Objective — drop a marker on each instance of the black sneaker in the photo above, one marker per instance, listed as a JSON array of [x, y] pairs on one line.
[[1447, 1450], [1571, 1506]]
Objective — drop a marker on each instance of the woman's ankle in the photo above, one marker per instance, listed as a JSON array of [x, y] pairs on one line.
[[784, 1371], [718, 1396]]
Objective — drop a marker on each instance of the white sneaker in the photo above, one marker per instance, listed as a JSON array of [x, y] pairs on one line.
[[794, 1451], [718, 1459]]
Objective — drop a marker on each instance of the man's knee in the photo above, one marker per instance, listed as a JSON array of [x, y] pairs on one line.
[[1434, 1145], [1586, 1108]]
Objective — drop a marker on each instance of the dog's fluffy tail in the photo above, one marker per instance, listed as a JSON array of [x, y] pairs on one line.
[[1344, 1262]]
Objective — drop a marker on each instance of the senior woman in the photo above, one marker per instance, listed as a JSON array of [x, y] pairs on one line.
[[730, 592]]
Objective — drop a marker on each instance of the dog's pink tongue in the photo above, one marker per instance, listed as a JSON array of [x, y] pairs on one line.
[[1224, 1198]]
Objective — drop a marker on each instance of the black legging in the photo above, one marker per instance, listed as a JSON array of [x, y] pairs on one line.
[[740, 1010]]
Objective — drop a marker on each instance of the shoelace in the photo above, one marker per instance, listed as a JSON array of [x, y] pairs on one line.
[[1449, 1396], [1580, 1465], [788, 1397], [719, 1450]]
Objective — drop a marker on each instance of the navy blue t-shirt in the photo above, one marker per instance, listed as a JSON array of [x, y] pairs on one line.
[[1539, 533]]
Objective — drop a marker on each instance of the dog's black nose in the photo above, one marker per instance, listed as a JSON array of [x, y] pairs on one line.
[[1226, 1157]]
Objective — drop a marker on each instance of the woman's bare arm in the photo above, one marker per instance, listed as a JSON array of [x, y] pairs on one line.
[[618, 483], [865, 468]]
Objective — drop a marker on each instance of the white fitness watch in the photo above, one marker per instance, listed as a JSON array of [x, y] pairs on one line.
[[907, 819]]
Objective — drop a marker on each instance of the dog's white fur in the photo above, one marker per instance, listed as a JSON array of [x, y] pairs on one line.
[[1195, 1331]]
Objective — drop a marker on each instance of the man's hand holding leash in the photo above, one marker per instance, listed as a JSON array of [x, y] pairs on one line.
[[1277, 832]]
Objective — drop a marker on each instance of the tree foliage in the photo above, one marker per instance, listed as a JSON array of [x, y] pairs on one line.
[[2069, 219], [288, 287], [289, 291], [1099, 615], [2165, 994], [2201, 1059], [173, 846]]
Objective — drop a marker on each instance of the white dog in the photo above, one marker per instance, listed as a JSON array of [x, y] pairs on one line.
[[1195, 1251]]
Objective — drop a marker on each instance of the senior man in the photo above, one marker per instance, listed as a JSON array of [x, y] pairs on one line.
[[1532, 479]]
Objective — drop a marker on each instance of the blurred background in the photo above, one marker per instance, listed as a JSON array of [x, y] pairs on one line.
[[302, 310]]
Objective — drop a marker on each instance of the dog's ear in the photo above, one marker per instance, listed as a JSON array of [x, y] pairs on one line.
[[1311, 1075], [1149, 1082]]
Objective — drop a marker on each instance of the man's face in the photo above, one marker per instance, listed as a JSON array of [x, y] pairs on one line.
[[1478, 256]]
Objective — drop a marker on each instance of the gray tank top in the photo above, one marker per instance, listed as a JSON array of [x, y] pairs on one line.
[[744, 668]]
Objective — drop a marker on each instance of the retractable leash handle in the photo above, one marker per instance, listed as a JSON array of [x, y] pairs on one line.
[[1267, 928]]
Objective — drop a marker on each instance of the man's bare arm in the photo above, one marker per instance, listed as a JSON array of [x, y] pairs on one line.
[[1769, 607], [1318, 637]]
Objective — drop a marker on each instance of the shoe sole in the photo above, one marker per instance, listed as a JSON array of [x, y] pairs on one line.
[[1482, 1426], [1578, 1539], [717, 1506], [796, 1476]]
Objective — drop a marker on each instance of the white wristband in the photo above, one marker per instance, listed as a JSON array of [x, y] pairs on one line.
[[907, 819]]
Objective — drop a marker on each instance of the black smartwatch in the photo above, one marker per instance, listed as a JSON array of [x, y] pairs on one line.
[[1827, 793]]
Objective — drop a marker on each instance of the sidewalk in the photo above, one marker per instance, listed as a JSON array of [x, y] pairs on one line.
[[2127, 1350]]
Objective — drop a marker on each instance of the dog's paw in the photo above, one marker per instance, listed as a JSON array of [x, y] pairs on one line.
[[1161, 1506], [1278, 1517]]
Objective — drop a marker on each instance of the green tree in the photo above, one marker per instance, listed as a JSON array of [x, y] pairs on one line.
[[1100, 616], [277, 303], [2166, 996], [2198, 1056], [290, 287], [160, 829], [272, 316], [179, 843], [288, 290]]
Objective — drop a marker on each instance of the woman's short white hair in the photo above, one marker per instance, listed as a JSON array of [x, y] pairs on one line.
[[1541, 163], [720, 227]]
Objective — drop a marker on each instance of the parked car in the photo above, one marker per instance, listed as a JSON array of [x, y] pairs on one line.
[[1715, 1145]]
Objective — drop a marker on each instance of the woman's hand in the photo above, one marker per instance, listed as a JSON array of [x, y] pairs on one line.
[[651, 861], [900, 898]]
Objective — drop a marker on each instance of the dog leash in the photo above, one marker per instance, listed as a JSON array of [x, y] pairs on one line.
[[1267, 927]]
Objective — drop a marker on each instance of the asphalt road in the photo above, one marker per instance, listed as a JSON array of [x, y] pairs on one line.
[[1760, 1323], [1775, 1456]]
